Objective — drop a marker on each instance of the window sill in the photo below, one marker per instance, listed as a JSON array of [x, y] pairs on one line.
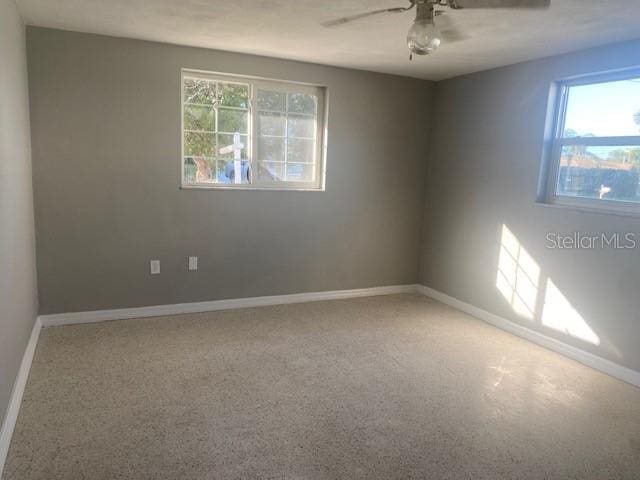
[[244, 189], [589, 210]]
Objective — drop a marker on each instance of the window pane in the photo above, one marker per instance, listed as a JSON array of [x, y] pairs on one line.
[[233, 95], [604, 109], [300, 173], [274, 101], [272, 124], [199, 91], [232, 121], [199, 144], [271, 172], [226, 172], [271, 149], [300, 150], [302, 103], [301, 126], [199, 170], [226, 140], [189, 170], [609, 173], [199, 118]]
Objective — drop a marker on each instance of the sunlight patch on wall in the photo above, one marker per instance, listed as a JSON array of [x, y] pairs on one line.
[[518, 275], [559, 314]]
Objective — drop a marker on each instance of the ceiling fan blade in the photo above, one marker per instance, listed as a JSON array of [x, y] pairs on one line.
[[502, 3], [448, 29], [343, 20]]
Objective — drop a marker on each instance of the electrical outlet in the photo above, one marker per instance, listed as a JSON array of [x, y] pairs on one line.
[[155, 267], [193, 263]]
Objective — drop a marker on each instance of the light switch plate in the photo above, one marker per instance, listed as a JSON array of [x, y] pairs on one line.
[[155, 267], [193, 263]]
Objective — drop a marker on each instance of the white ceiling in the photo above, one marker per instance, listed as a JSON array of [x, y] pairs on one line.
[[291, 29]]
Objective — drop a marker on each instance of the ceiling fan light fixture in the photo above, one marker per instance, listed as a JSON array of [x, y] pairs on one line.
[[423, 37]]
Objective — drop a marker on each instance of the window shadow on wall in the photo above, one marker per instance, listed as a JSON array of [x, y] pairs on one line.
[[534, 296]]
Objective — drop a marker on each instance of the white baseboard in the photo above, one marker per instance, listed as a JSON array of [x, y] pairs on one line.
[[606, 366], [181, 308], [15, 400]]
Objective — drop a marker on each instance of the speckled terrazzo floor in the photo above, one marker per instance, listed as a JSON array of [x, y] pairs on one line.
[[378, 388]]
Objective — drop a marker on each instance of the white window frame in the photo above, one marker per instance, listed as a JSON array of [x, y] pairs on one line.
[[254, 84], [551, 167]]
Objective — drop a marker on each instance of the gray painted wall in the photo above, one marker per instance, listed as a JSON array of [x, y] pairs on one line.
[[18, 296], [106, 150], [484, 159]]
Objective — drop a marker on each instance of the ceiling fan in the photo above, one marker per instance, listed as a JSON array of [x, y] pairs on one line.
[[424, 36]]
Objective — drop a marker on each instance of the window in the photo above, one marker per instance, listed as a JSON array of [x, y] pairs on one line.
[[242, 132], [595, 151]]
